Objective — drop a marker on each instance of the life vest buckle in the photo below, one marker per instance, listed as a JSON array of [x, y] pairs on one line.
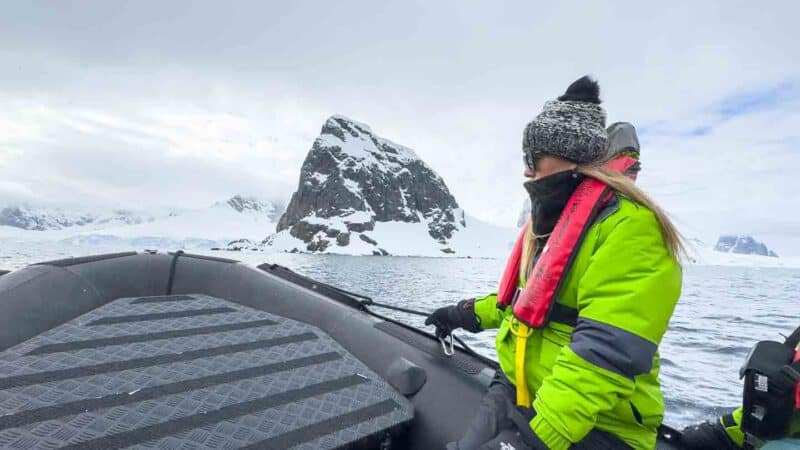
[[514, 327], [791, 372]]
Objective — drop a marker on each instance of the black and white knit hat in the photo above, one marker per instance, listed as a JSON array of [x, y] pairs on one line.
[[572, 127]]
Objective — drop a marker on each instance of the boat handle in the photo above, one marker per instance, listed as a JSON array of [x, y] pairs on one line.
[[447, 345]]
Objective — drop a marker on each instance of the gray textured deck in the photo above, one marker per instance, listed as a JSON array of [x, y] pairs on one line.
[[189, 372]]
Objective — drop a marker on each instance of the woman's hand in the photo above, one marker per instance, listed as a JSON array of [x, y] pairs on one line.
[[707, 435], [519, 436], [449, 318]]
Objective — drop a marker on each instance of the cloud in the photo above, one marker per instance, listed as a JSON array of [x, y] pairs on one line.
[[180, 158], [749, 102], [151, 104], [736, 176]]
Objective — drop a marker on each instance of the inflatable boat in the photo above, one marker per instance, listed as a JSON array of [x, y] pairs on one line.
[[187, 351]]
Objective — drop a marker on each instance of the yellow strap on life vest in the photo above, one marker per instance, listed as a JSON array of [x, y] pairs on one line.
[[521, 332]]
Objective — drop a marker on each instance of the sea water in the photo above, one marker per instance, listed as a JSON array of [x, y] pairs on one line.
[[723, 310]]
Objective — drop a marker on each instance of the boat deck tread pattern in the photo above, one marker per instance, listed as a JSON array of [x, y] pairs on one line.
[[190, 372]]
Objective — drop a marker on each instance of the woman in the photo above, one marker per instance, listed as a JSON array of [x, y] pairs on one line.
[[585, 299]]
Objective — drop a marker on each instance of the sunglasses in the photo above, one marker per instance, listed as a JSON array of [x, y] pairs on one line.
[[531, 158]]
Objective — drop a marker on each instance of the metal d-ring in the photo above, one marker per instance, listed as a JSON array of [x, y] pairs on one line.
[[447, 345]]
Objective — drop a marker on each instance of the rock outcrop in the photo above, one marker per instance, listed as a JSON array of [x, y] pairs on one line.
[[743, 244], [353, 179], [243, 204]]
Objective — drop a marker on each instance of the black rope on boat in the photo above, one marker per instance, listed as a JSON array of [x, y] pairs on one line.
[[463, 344], [369, 302], [396, 308], [365, 302], [172, 267]]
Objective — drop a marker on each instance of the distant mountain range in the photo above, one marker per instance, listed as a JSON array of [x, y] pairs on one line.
[[358, 193], [41, 219], [235, 218]]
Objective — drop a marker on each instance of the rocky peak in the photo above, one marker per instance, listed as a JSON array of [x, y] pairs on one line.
[[242, 204], [743, 244], [358, 178]]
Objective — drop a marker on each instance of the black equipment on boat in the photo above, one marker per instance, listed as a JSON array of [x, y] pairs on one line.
[[771, 393]]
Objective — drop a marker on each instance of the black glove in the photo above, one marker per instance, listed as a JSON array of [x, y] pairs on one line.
[[711, 436], [460, 315], [507, 439], [520, 436]]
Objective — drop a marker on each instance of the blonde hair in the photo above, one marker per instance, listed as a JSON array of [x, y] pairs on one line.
[[625, 187]]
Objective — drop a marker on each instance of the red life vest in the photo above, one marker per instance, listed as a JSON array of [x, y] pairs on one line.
[[535, 301]]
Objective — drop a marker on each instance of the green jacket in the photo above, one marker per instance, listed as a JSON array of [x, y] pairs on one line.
[[603, 373]]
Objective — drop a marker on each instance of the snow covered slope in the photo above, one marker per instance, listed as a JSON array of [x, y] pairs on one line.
[[702, 254], [474, 239], [239, 217]]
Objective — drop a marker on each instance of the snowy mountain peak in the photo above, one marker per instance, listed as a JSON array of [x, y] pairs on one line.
[[357, 141], [351, 180]]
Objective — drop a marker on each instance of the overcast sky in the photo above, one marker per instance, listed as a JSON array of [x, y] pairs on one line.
[[153, 104]]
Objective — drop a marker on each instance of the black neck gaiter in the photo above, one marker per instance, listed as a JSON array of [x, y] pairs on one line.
[[549, 195]]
